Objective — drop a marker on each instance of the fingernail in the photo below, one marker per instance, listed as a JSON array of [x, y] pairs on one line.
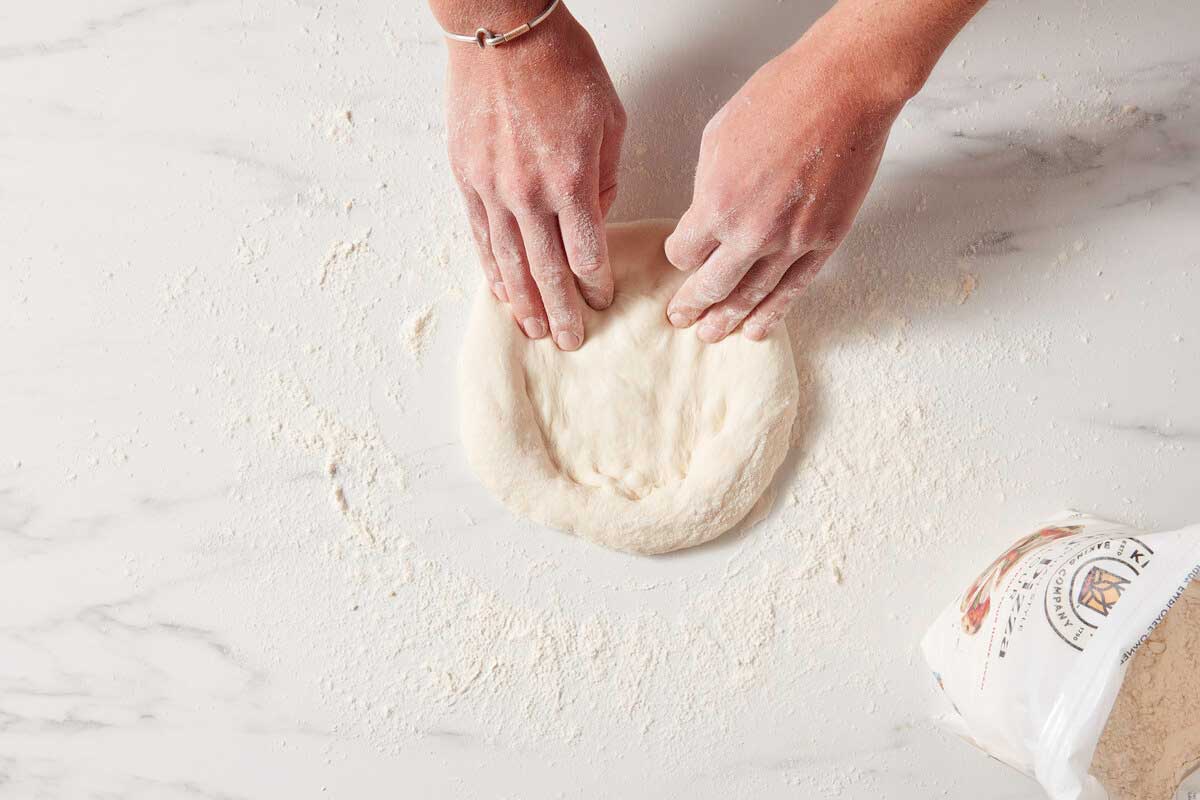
[[567, 341], [708, 332], [678, 319], [498, 290], [598, 302], [755, 331], [534, 328]]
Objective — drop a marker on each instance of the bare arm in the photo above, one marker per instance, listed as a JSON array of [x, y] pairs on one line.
[[785, 165]]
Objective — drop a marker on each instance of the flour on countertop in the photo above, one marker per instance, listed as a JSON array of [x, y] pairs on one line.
[[334, 445], [416, 330]]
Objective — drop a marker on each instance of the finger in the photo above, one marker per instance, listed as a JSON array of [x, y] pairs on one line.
[[720, 320], [791, 287], [478, 219], [607, 198], [691, 243], [587, 251], [610, 159], [509, 250], [555, 281], [709, 284]]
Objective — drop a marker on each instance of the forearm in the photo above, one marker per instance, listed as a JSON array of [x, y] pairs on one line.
[[898, 41], [465, 16]]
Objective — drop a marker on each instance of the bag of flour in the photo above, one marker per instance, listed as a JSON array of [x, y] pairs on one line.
[[1034, 655]]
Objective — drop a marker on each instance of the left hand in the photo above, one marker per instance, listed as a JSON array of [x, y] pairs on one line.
[[783, 170]]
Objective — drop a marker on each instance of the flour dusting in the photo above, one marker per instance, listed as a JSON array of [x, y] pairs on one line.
[[430, 615]]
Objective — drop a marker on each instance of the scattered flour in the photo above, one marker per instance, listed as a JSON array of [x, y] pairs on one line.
[[335, 445], [417, 329]]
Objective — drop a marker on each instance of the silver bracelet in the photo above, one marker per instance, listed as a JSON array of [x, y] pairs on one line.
[[485, 38]]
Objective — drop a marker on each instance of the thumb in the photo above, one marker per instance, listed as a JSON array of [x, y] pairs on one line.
[[691, 243]]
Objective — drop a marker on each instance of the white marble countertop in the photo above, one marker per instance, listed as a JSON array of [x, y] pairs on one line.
[[241, 555]]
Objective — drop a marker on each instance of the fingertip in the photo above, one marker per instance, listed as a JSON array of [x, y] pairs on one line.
[[755, 331], [599, 301], [534, 328], [710, 333], [567, 340]]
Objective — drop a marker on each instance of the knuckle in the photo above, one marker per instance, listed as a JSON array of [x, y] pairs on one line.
[[586, 263], [754, 290], [721, 318], [463, 179], [476, 175], [509, 256], [570, 184], [584, 251], [618, 108], [790, 293], [711, 288], [566, 319], [800, 238], [479, 230], [620, 119], [770, 317], [591, 271], [721, 204], [522, 299], [732, 317], [836, 233], [746, 237], [549, 276], [714, 123], [523, 194], [761, 235]]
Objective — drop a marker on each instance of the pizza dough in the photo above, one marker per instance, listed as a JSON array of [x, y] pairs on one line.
[[644, 440]]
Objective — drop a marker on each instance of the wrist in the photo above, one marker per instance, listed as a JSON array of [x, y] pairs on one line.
[[554, 27], [889, 47], [551, 50], [874, 62]]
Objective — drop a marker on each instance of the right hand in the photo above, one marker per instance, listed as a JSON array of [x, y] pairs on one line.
[[535, 130]]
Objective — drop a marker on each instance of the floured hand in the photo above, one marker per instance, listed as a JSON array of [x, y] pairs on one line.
[[535, 130], [784, 167]]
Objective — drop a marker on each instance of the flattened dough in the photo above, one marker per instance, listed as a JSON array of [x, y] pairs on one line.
[[644, 440]]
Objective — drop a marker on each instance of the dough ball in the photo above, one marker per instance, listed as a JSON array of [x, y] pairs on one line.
[[646, 439]]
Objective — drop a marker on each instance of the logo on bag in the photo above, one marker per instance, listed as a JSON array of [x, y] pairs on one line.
[[1101, 590], [1086, 584], [977, 602]]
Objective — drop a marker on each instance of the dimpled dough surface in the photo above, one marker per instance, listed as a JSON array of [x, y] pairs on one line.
[[646, 439]]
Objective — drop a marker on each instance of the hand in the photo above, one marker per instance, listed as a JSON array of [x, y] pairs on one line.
[[535, 130], [783, 170]]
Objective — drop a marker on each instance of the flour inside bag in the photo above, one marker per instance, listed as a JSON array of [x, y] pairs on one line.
[[1034, 655]]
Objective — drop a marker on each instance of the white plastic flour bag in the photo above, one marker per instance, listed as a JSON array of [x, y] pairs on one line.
[[1033, 654]]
